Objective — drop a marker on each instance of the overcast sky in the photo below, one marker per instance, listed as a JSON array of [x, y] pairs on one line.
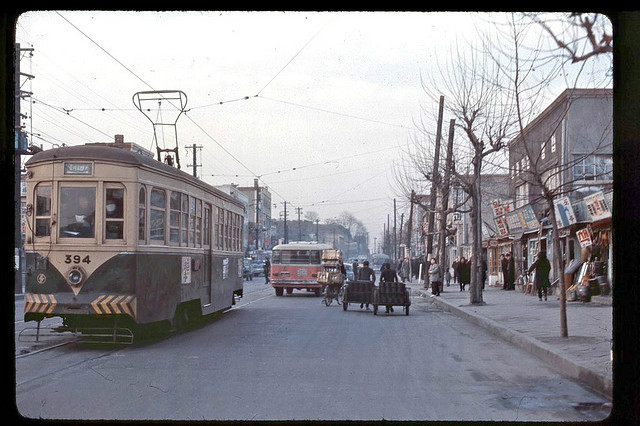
[[334, 96]]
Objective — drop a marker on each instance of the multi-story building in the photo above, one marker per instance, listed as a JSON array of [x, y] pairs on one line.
[[567, 149], [260, 225]]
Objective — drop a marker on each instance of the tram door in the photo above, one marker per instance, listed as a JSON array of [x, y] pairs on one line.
[[208, 257]]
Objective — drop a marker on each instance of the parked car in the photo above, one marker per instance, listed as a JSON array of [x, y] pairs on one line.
[[258, 268], [247, 269]]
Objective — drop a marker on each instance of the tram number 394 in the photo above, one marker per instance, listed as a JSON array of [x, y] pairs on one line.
[[76, 258]]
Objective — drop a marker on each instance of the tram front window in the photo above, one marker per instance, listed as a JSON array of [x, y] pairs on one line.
[[77, 212]]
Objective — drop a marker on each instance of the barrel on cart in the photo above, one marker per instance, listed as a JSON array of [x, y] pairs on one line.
[[357, 291], [392, 294]]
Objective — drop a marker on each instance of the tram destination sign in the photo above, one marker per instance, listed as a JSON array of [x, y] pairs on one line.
[[78, 169]]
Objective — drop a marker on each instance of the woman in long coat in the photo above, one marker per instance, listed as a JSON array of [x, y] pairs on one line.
[[542, 268], [464, 270]]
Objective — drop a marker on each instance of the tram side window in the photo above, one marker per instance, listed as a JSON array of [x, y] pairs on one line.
[[43, 211], [142, 218], [157, 215], [77, 212], [206, 228], [114, 213], [174, 217], [192, 222], [184, 221], [198, 223]]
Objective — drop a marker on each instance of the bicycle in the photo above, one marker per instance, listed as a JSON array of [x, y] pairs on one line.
[[333, 291]]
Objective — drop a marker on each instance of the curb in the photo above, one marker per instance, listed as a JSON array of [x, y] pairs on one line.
[[547, 353]]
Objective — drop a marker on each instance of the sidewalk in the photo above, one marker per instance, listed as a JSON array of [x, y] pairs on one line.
[[534, 326]]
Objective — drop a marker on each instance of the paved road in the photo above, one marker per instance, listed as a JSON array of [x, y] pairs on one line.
[[292, 358]]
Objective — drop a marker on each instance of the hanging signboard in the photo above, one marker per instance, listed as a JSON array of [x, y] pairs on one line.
[[584, 237], [564, 212], [501, 226], [497, 208], [522, 220], [597, 206]]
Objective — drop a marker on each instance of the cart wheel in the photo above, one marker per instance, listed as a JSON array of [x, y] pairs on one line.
[[406, 312]]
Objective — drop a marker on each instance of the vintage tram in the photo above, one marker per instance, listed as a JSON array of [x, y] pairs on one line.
[[116, 239]]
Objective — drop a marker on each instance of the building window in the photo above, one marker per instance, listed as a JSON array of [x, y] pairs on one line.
[[543, 151], [522, 195], [593, 167], [554, 143]]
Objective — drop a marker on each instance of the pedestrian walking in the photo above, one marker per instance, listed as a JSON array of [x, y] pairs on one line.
[[366, 274], [484, 272], [388, 275], [512, 272], [542, 268], [456, 270], [435, 277], [464, 270], [504, 264], [355, 269], [404, 269], [267, 270]]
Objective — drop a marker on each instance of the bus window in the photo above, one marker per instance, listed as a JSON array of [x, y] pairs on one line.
[[77, 212], [43, 211]]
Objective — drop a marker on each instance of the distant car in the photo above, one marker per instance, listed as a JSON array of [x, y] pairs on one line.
[[258, 268], [247, 269], [349, 268]]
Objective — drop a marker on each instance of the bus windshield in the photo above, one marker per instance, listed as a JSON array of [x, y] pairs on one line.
[[297, 257]]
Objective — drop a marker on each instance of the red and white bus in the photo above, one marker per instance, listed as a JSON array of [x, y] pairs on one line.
[[296, 266]]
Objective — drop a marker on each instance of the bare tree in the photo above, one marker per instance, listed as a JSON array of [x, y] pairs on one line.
[[544, 174]]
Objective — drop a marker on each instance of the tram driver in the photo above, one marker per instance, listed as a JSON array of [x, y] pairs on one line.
[[82, 218]]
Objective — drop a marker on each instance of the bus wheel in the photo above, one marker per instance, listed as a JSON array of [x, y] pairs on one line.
[[278, 291]]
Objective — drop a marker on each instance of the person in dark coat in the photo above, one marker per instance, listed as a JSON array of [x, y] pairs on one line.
[[388, 275], [504, 264], [542, 268], [456, 272], [512, 272], [464, 270], [355, 269], [267, 270], [484, 272], [366, 274]]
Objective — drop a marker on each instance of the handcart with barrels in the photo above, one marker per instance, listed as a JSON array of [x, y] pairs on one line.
[[357, 291], [391, 294], [331, 276]]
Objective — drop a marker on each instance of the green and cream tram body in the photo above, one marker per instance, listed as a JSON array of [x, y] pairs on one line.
[[116, 237]]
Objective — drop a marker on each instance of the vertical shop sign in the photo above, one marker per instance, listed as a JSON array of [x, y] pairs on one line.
[[564, 212]]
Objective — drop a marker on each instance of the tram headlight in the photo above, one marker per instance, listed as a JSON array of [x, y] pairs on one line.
[[75, 276]]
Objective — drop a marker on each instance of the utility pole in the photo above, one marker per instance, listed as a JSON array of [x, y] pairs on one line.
[[434, 182], [410, 230], [256, 226], [317, 230], [299, 211], [21, 148], [395, 240], [286, 231], [195, 164], [400, 233], [443, 261]]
